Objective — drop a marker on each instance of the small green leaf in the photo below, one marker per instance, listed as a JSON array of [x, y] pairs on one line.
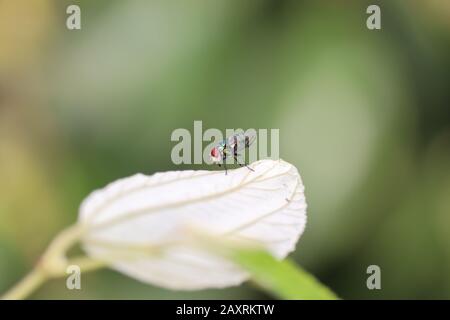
[[284, 279]]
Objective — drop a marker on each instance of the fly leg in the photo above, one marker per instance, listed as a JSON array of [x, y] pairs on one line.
[[240, 164], [224, 159], [224, 163], [235, 154]]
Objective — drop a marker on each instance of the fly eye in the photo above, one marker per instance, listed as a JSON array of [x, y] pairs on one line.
[[213, 152]]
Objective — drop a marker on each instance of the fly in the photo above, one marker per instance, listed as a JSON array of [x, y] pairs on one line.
[[230, 148]]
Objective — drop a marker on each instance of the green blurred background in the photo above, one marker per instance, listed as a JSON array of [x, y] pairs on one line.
[[364, 115]]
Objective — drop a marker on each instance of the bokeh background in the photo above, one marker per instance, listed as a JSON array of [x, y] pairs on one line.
[[363, 114]]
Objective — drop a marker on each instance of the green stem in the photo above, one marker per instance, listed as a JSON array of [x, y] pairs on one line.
[[53, 264], [27, 285]]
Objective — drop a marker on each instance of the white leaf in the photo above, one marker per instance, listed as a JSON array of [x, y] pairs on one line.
[[131, 216]]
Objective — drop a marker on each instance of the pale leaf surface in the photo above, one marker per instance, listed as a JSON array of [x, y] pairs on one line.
[[131, 217]]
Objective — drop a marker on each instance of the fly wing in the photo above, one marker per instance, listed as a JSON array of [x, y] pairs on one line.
[[250, 138], [241, 141]]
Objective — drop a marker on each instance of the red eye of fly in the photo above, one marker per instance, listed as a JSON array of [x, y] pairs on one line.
[[214, 152]]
